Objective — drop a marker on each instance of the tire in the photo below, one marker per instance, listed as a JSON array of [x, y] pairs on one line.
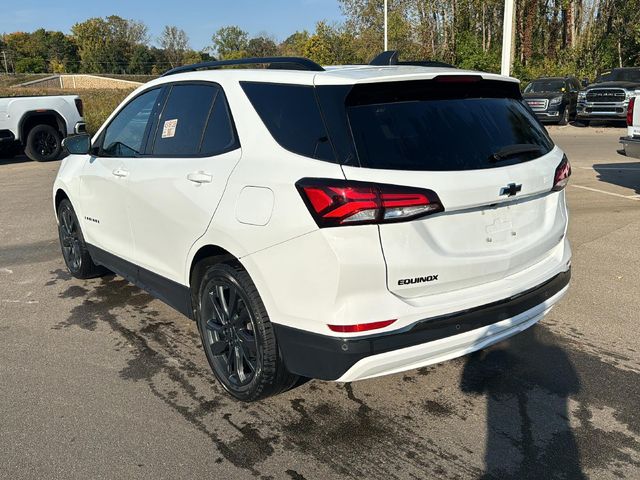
[[74, 249], [44, 143], [585, 123], [564, 120], [237, 335]]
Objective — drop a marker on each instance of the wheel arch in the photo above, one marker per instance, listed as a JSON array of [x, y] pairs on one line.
[[57, 199], [41, 117]]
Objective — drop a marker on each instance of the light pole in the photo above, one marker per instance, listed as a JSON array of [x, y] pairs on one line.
[[386, 43], [507, 36]]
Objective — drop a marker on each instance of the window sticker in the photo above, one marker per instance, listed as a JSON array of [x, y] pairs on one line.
[[169, 129]]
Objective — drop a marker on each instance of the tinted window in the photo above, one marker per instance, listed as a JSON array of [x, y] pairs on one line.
[[183, 118], [539, 86], [125, 135], [450, 134], [292, 115], [219, 134]]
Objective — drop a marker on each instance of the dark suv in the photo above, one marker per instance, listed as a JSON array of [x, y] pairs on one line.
[[608, 97], [553, 99]]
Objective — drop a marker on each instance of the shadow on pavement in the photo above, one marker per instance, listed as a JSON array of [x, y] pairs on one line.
[[527, 383], [625, 175]]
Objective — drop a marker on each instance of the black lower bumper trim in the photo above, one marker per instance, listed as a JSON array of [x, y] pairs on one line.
[[328, 358]]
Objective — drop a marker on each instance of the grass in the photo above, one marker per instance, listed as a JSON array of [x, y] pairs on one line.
[[98, 104], [16, 78]]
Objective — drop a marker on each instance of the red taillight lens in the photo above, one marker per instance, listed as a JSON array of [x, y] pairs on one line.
[[632, 104], [80, 107], [333, 203], [360, 327], [563, 172]]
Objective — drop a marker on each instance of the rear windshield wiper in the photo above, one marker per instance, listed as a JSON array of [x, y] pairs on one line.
[[513, 150]]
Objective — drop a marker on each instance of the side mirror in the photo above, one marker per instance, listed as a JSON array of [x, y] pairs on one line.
[[77, 144]]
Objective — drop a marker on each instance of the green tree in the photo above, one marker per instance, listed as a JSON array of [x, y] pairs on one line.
[[261, 46], [293, 45], [175, 43], [230, 42]]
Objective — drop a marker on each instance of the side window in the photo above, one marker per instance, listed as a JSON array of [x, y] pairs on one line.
[[292, 116], [125, 135], [219, 134], [183, 120]]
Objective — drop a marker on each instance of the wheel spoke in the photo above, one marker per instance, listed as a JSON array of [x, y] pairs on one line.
[[248, 343], [223, 301], [219, 312], [239, 364]]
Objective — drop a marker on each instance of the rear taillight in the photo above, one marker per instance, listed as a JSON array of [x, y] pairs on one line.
[[360, 327], [632, 104], [563, 172], [334, 203], [79, 107]]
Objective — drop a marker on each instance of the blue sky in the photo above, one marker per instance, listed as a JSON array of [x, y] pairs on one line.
[[199, 18]]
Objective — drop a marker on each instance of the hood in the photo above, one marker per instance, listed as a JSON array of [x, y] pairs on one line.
[[625, 85], [543, 95]]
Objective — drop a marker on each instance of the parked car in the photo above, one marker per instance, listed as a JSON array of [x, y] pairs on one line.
[[553, 99], [631, 143], [38, 124], [324, 223], [608, 97]]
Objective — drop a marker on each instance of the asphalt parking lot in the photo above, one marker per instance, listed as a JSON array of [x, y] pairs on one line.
[[99, 380]]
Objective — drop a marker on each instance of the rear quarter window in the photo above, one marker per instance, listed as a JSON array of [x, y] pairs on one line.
[[292, 116]]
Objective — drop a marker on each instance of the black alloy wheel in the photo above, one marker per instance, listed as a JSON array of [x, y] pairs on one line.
[[69, 238], [44, 143], [238, 337], [230, 332], [74, 249]]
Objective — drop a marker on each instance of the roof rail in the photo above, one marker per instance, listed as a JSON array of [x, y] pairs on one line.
[[390, 57], [288, 63]]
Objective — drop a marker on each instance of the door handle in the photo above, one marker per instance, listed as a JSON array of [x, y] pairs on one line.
[[120, 172], [200, 177]]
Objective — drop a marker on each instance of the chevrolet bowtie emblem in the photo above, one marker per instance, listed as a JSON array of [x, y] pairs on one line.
[[511, 190]]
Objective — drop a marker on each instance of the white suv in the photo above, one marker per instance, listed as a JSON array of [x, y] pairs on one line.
[[338, 224]]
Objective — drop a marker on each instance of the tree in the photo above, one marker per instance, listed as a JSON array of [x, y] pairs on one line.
[[293, 45], [175, 43], [230, 42], [261, 46], [106, 45]]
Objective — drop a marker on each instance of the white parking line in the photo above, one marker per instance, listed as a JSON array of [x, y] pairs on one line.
[[628, 197]]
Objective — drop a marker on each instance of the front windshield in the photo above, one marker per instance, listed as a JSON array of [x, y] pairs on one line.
[[620, 75], [540, 86]]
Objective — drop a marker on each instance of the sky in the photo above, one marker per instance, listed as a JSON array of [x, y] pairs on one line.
[[199, 18]]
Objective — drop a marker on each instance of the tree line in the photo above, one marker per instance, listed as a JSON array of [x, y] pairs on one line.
[[552, 37]]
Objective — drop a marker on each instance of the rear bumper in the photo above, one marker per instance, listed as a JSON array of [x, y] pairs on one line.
[[631, 146], [427, 341]]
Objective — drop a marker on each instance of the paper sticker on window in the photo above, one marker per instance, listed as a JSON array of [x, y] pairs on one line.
[[169, 129]]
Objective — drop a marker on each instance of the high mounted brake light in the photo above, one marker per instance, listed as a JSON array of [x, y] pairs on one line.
[[335, 203], [563, 172], [457, 78]]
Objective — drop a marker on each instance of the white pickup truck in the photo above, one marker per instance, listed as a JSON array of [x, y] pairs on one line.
[[38, 124], [631, 143]]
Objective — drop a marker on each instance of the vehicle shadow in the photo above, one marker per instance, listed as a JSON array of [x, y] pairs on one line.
[[625, 175], [527, 382]]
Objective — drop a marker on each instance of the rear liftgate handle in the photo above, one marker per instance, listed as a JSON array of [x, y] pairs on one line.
[[200, 177]]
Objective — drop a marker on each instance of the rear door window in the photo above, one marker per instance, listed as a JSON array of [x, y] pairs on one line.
[[183, 119], [460, 127], [292, 116]]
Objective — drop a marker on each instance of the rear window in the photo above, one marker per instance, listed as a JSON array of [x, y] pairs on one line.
[[453, 127], [292, 116]]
